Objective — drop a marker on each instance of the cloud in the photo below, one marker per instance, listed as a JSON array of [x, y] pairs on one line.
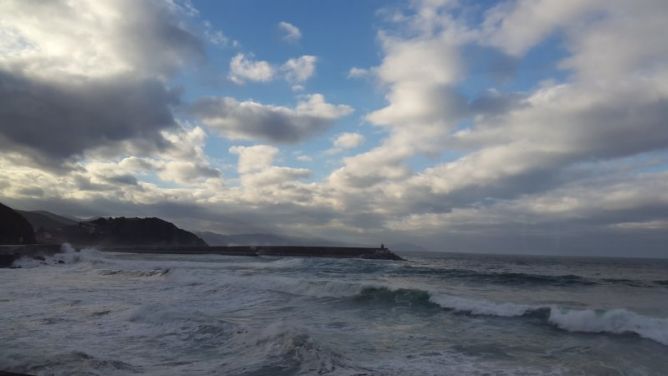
[[63, 40], [298, 70], [217, 37], [264, 182], [356, 72], [592, 216], [75, 76], [53, 121], [182, 160], [251, 120], [607, 111], [291, 33], [423, 107], [185, 161], [254, 158], [518, 144], [295, 71], [573, 162], [346, 141], [516, 27], [243, 68]]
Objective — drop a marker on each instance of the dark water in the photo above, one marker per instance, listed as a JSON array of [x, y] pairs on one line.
[[436, 314]]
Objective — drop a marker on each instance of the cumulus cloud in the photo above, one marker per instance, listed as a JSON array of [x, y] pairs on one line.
[[243, 68], [573, 163], [519, 144], [298, 70], [263, 181], [254, 158], [346, 141], [90, 39], [291, 33], [76, 75], [600, 115], [422, 109], [295, 71], [251, 120], [185, 161]]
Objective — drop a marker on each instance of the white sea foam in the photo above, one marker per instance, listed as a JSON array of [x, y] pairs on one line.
[[616, 321], [613, 321]]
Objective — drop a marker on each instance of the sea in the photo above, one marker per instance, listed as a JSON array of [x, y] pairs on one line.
[[98, 313]]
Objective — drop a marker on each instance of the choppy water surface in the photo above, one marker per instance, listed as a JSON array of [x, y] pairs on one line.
[[123, 314]]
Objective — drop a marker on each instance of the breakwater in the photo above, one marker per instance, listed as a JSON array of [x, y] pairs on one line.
[[285, 251], [10, 253]]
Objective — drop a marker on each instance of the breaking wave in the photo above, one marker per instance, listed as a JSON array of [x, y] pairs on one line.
[[613, 321]]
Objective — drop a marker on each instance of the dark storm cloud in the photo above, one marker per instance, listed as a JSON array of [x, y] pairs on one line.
[[109, 87], [122, 179], [492, 103], [53, 122]]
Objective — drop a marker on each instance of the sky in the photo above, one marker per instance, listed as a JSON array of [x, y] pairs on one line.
[[510, 126]]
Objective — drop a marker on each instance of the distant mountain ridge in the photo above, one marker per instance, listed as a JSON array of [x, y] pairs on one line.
[[47, 220], [48, 226], [123, 231], [262, 239]]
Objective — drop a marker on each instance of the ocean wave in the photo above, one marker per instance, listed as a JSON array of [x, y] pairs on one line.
[[613, 321], [401, 296], [135, 273], [277, 350], [74, 362], [517, 278]]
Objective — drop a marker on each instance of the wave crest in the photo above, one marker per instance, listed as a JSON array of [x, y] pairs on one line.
[[614, 321]]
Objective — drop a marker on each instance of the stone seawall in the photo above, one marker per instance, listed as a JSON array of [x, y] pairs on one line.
[[10, 253], [285, 251]]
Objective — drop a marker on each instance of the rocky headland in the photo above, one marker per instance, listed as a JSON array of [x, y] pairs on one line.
[[14, 228]]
